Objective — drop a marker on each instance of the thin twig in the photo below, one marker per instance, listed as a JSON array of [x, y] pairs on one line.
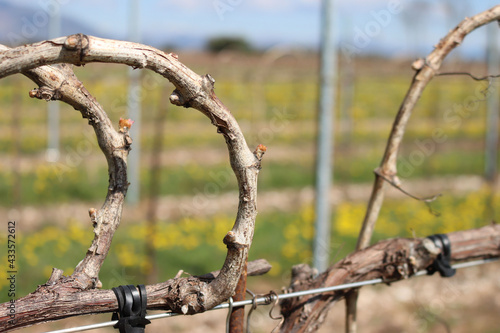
[[426, 69], [476, 78], [396, 185]]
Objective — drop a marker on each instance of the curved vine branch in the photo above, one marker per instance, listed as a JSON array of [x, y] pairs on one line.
[[183, 295], [425, 69], [305, 314]]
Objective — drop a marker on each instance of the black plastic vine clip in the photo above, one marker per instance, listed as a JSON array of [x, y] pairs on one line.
[[442, 263], [131, 314]]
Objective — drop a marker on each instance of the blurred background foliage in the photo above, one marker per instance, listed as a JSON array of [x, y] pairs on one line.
[[273, 95]]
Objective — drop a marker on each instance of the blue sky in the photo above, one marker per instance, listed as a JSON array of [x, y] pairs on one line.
[[295, 23]]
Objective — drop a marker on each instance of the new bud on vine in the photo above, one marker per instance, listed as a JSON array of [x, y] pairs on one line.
[[125, 124]]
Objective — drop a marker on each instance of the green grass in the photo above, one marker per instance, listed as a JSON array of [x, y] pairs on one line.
[[277, 109], [195, 244], [59, 182]]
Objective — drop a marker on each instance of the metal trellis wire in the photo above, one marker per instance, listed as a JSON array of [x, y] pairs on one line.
[[269, 298]]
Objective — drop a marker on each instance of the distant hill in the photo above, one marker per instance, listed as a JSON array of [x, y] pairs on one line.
[[183, 42], [21, 25]]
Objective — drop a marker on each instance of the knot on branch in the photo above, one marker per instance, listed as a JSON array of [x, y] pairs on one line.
[[177, 99], [418, 64], [78, 43], [45, 93], [398, 265], [208, 84], [231, 243], [391, 177], [55, 276], [302, 274], [128, 142], [186, 296], [207, 87]]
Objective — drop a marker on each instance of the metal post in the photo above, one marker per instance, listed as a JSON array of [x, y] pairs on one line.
[[52, 153], [134, 110], [324, 160], [491, 152]]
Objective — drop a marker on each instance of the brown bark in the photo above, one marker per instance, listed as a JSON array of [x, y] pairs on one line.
[[63, 297], [425, 69], [55, 300], [391, 260], [59, 83]]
